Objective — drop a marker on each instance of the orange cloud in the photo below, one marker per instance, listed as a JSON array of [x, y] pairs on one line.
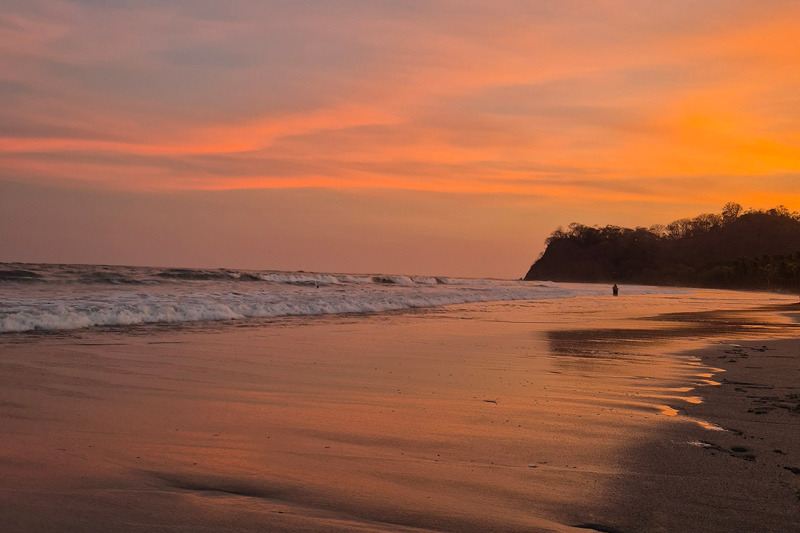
[[562, 102]]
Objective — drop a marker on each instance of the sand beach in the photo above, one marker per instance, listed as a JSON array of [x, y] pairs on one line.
[[640, 413], [358, 266]]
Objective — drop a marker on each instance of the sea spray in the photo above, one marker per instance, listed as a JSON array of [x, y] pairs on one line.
[[63, 297]]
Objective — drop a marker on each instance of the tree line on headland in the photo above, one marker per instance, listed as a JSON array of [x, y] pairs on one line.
[[735, 249]]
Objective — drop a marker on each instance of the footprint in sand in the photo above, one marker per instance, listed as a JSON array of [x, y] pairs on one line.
[[742, 453], [739, 452]]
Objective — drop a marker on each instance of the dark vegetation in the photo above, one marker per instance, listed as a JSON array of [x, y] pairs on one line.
[[736, 249]]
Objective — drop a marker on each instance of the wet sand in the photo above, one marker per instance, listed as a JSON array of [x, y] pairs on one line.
[[528, 416], [742, 476]]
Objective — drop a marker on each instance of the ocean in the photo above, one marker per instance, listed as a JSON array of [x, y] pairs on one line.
[[146, 399], [36, 297]]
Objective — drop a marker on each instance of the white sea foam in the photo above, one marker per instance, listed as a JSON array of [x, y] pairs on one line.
[[59, 299], [300, 278]]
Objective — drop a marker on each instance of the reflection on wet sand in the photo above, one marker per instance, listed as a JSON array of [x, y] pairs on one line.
[[503, 417], [732, 474]]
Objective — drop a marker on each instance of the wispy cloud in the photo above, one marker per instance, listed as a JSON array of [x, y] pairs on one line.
[[579, 99]]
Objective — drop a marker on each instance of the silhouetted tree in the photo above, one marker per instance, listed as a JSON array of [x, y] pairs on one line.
[[730, 211], [735, 249]]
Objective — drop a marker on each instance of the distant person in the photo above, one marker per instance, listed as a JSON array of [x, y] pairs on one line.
[[615, 290]]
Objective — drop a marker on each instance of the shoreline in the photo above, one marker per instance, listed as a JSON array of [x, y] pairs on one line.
[[743, 477], [758, 405], [778, 291], [509, 416]]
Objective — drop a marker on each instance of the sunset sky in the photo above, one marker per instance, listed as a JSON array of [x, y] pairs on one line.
[[420, 137]]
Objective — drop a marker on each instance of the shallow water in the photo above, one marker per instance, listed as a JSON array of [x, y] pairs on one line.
[[62, 297], [506, 416]]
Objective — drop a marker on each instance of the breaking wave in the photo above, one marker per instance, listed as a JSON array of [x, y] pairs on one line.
[[62, 297]]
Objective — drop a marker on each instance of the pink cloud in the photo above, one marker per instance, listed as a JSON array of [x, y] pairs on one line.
[[472, 96]]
